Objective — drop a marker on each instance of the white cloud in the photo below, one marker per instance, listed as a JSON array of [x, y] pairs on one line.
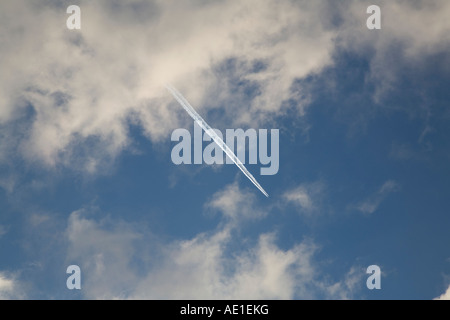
[[371, 204], [84, 86], [444, 296], [300, 197], [104, 252], [349, 286], [411, 32], [37, 219], [77, 90], [120, 261], [200, 269], [9, 288], [388, 187], [306, 197], [236, 203]]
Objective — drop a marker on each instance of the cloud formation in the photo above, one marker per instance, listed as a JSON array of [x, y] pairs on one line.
[[412, 32], [75, 93], [120, 261], [237, 204], [444, 296], [305, 197], [9, 288], [78, 91], [371, 204], [200, 268], [68, 98]]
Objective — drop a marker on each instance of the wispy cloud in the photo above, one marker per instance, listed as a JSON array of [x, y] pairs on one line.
[[371, 204], [306, 197], [349, 286], [9, 288], [237, 204], [105, 251], [425, 34]]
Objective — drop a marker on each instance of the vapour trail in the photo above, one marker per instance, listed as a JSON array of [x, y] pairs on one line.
[[209, 131]]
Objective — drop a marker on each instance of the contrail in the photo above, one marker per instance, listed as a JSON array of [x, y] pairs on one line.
[[202, 123]]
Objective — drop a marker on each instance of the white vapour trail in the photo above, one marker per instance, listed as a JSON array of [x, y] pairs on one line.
[[202, 123]]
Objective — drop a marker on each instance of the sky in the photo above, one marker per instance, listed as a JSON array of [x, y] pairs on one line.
[[87, 178]]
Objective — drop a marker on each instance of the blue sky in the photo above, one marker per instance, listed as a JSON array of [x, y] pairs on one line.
[[86, 176]]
